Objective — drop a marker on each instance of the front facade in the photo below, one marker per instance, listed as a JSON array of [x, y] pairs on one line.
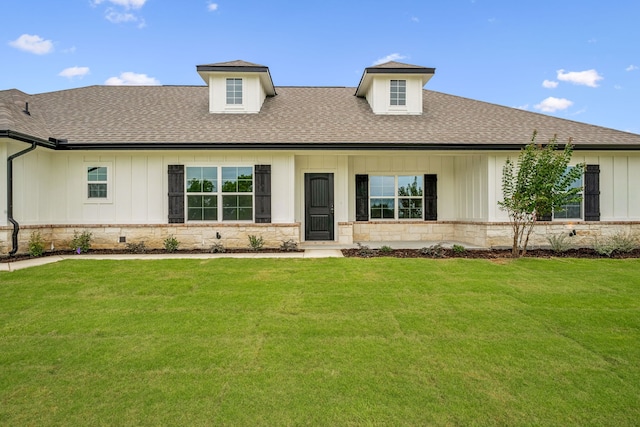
[[386, 161]]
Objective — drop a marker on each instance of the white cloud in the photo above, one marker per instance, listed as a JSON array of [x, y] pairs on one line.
[[127, 4], [72, 72], [33, 44], [551, 105], [415, 19], [119, 17], [631, 68], [132, 79], [617, 87], [586, 78], [522, 107], [392, 57], [211, 7], [549, 84]]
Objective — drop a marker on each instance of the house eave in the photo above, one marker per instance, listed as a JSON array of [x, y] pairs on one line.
[[23, 137], [344, 146]]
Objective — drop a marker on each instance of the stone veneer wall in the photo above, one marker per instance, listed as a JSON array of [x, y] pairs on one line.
[[190, 236], [484, 234]]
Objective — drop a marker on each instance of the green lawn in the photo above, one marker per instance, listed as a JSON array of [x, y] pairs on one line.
[[321, 342]]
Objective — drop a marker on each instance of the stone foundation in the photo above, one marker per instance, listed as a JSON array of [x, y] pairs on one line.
[[190, 236], [484, 234]]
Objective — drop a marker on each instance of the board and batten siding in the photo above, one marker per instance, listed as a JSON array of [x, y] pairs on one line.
[[619, 190], [419, 164], [53, 191]]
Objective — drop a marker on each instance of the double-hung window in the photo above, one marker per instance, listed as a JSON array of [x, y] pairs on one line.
[[219, 193], [398, 93], [97, 182], [202, 193], [234, 91], [571, 210], [395, 197]]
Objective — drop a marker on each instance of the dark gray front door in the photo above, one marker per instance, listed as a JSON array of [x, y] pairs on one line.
[[318, 190]]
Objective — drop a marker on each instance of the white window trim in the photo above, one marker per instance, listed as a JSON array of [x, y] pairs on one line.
[[396, 197], [219, 194], [86, 182], [239, 106]]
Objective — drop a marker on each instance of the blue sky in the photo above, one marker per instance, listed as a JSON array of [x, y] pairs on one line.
[[574, 59]]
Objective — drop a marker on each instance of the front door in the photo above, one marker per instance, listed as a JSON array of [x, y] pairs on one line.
[[318, 190]]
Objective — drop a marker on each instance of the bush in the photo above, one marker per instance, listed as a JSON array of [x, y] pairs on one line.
[[289, 245], [433, 251], [81, 242], [560, 242], [136, 248], [385, 249], [617, 243], [217, 248], [364, 250], [36, 244], [171, 244], [255, 243], [458, 249]]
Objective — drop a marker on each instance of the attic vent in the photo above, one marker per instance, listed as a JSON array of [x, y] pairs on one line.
[[26, 109]]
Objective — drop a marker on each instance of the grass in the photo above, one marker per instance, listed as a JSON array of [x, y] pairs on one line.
[[321, 342]]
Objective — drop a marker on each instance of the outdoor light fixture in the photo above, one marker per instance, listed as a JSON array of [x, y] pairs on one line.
[[218, 235]]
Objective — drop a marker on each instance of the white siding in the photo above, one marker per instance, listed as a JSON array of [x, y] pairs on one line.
[[253, 94], [619, 189], [471, 177], [378, 94]]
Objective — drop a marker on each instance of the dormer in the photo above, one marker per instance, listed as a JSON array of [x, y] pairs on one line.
[[237, 86], [394, 88]]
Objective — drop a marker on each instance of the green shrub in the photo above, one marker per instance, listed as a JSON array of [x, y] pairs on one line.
[[217, 248], [81, 242], [36, 244], [617, 243], [289, 245], [433, 251], [560, 242], [385, 249], [136, 248], [364, 250], [171, 244], [458, 249], [255, 243]]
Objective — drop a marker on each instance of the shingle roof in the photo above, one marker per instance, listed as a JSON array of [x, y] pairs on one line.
[[296, 116]]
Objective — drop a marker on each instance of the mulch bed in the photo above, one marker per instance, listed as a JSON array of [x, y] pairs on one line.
[[485, 253], [374, 253]]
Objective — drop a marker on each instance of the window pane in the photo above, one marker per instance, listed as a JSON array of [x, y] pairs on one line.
[[382, 208], [98, 191], [97, 174], [382, 186], [237, 208], [410, 186], [202, 179], [410, 208]]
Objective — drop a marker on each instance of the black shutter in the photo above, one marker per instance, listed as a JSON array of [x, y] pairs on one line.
[[362, 197], [262, 182], [430, 197], [176, 194], [592, 193]]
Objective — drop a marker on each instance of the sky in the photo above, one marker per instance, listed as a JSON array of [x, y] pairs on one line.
[[573, 59]]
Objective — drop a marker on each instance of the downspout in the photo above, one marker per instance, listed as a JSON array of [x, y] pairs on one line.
[[16, 226]]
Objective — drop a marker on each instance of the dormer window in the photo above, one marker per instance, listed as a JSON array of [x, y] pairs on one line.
[[398, 94], [394, 88], [234, 91]]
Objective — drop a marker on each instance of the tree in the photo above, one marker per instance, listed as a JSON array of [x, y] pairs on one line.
[[541, 185]]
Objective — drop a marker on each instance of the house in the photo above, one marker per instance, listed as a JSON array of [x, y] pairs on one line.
[[384, 161]]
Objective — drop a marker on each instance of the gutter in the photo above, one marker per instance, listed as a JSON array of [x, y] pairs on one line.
[[356, 146], [35, 142], [16, 226]]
